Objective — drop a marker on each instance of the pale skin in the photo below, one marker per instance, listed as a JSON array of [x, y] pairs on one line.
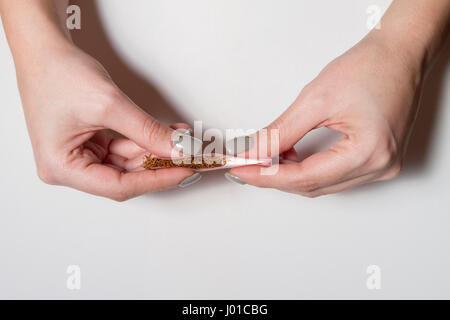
[[370, 94], [70, 101]]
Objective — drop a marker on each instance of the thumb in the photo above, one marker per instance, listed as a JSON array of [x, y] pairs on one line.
[[283, 133], [136, 124]]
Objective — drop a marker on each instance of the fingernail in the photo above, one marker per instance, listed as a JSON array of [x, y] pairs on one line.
[[187, 144], [188, 132], [234, 179], [190, 180], [239, 144]]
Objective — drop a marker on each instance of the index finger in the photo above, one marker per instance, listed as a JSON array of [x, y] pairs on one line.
[[322, 169]]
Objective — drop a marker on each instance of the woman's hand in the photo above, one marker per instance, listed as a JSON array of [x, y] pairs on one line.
[[70, 103], [367, 96], [370, 94]]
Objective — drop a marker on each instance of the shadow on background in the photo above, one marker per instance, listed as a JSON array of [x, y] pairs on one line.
[[419, 147], [93, 39]]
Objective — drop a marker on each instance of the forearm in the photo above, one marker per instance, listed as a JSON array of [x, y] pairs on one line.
[[415, 29], [34, 28]]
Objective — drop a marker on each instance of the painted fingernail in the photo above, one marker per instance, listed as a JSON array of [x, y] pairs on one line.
[[190, 180], [239, 144], [187, 144], [188, 132], [234, 179]]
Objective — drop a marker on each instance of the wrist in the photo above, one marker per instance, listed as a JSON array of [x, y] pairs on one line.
[[414, 30], [40, 33], [408, 59]]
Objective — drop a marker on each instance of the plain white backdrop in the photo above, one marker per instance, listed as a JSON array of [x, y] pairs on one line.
[[230, 64]]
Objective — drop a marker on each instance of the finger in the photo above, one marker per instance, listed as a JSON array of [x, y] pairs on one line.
[[290, 156], [116, 160], [287, 130], [105, 181], [134, 123], [372, 176], [126, 154], [97, 145], [253, 175], [129, 165], [180, 126], [186, 129], [125, 148], [342, 186], [114, 167], [325, 168], [135, 164]]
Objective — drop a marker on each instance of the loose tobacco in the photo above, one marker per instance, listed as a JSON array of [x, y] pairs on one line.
[[194, 162]]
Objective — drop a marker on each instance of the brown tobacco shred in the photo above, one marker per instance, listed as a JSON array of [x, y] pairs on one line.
[[207, 162]]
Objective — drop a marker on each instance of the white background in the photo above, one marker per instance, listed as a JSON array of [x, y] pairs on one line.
[[231, 64]]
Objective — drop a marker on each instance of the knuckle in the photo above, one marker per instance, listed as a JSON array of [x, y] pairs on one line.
[[45, 175], [397, 169], [310, 195], [393, 172], [382, 157], [313, 95], [121, 193], [46, 169], [277, 124], [120, 196], [106, 98], [307, 186], [381, 160], [152, 129], [109, 95]]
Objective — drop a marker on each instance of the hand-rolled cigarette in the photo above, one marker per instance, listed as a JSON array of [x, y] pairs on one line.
[[204, 162]]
